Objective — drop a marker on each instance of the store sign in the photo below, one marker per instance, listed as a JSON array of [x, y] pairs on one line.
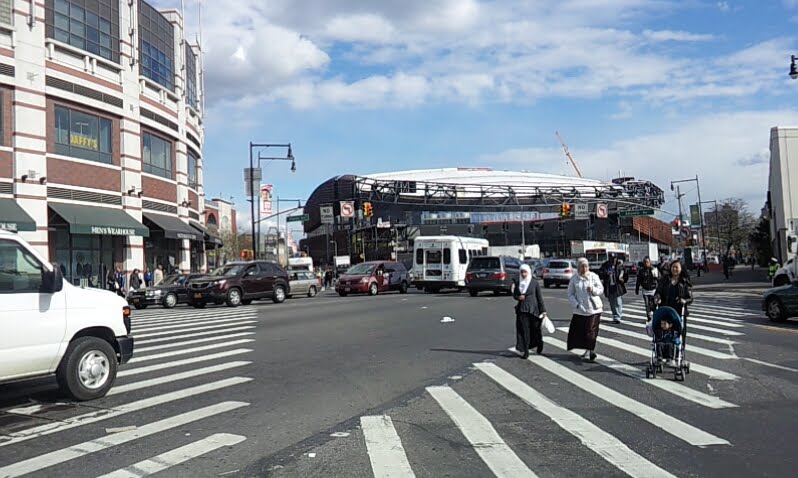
[[8, 226], [83, 142], [190, 237], [112, 231]]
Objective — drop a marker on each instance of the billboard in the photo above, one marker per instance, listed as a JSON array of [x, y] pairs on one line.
[[266, 200]]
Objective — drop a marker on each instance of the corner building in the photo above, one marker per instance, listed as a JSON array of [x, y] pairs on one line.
[[101, 136]]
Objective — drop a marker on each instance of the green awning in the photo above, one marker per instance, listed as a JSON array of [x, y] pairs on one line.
[[173, 227], [100, 221], [13, 218], [209, 238]]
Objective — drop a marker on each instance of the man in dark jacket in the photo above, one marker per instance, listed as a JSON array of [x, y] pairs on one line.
[[614, 277], [647, 279]]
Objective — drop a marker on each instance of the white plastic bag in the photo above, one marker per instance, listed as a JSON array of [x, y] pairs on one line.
[[548, 325]]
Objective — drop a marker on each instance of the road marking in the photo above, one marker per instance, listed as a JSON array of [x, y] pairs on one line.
[[145, 358], [659, 419], [189, 336], [669, 386], [777, 329], [77, 451], [726, 311], [707, 338], [196, 341], [147, 323], [175, 377], [501, 460], [387, 455], [694, 367], [691, 325], [691, 348], [733, 323], [191, 329], [602, 443], [177, 456], [773, 365], [171, 327], [179, 363]]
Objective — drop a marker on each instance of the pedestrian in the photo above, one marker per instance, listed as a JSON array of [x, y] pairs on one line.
[[147, 277], [529, 313], [119, 282], [647, 279], [135, 280], [614, 278], [157, 276], [726, 264], [773, 267], [675, 291], [584, 295]]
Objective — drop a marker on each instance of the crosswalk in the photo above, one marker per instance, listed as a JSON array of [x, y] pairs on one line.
[[181, 355], [715, 327]]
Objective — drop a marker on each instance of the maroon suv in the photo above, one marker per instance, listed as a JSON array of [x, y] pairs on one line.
[[374, 277], [239, 283]]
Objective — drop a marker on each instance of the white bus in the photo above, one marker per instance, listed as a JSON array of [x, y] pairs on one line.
[[440, 262]]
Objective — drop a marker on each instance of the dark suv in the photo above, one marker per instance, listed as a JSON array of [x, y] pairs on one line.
[[492, 273], [237, 283], [372, 278]]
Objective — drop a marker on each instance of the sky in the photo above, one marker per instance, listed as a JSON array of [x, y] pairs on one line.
[[659, 89]]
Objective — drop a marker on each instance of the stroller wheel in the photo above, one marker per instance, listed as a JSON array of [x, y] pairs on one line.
[[687, 367]]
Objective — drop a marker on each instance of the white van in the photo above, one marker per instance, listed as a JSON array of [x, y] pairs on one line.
[[441, 262], [48, 326]]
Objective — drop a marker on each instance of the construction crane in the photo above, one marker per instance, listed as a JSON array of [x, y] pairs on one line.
[[568, 154]]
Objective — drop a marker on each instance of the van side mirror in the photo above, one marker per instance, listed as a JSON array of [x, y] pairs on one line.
[[52, 281]]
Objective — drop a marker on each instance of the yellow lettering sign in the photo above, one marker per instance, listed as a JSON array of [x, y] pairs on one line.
[[83, 142]]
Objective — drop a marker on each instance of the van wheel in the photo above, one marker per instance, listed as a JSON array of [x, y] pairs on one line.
[[473, 292], [279, 294], [88, 369], [403, 288], [233, 297], [373, 289], [312, 291], [170, 301]]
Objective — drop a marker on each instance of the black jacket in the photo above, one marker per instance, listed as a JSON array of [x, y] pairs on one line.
[[646, 280], [682, 290], [621, 277], [533, 300]]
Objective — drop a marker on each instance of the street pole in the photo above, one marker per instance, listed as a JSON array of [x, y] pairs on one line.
[[252, 203], [327, 240], [701, 217]]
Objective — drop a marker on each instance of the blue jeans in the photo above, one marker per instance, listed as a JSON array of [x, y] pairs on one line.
[[616, 304]]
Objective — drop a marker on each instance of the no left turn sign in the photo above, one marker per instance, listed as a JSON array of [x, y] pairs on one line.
[[602, 211], [347, 209]]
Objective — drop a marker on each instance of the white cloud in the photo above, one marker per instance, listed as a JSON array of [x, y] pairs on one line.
[[671, 35], [359, 28], [790, 3], [723, 6]]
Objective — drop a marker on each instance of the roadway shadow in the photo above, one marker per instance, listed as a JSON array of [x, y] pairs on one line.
[[493, 353]]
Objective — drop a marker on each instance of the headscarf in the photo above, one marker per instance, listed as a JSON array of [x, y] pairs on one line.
[[523, 283], [579, 263]]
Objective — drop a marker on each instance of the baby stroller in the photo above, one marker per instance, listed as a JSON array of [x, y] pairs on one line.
[[668, 346]]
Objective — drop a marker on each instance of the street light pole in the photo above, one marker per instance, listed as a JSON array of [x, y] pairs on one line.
[[701, 218], [252, 202]]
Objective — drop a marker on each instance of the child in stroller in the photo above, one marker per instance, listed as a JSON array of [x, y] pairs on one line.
[[666, 329]]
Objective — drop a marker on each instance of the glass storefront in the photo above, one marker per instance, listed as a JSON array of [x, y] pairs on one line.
[[85, 260], [158, 250]]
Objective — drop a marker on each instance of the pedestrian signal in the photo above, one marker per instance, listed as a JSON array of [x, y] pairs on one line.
[[368, 209]]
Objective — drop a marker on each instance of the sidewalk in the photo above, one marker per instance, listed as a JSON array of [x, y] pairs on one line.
[[743, 278]]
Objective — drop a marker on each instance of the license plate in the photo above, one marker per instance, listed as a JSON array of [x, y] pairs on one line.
[[136, 301], [198, 296], [482, 276]]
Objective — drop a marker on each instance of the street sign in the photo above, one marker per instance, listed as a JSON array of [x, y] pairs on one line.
[[581, 211], [327, 215], [602, 211], [347, 209], [301, 218], [636, 212], [252, 178], [383, 224], [685, 233]]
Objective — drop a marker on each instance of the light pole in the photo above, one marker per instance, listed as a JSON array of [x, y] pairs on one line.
[[700, 210], [250, 186]]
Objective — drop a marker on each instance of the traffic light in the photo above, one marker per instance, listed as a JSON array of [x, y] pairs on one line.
[[565, 210], [368, 209]]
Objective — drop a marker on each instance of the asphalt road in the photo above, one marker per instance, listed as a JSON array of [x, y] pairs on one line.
[[363, 386]]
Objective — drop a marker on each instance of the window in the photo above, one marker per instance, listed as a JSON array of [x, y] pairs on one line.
[[463, 256], [434, 257], [20, 272], [6, 16], [82, 135], [2, 108], [192, 170], [91, 25], [156, 46], [485, 263], [157, 155], [191, 77], [419, 256], [447, 256]]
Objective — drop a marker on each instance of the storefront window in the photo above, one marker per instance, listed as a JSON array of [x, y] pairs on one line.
[[157, 156], [91, 25], [84, 260], [81, 135], [192, 170]]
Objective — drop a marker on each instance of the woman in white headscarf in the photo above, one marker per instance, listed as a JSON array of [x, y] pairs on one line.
[[529, 313], [584, 294]]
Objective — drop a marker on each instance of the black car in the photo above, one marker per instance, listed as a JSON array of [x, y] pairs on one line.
[[239, 283], [170, 292]]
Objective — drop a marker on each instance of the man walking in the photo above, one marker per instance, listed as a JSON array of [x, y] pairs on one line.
[[614, 279]]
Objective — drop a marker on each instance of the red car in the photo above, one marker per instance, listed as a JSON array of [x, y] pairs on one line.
[[374, 277]]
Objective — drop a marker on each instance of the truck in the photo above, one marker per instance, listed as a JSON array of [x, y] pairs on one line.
[[599, 252], [519, 252], [638, 252], [300, 264], [342, 264]]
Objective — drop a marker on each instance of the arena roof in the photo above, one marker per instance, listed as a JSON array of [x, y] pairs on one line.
[[485, 177]]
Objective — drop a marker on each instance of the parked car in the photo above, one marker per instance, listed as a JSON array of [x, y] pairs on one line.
[[170, 292], [373, 278], [538, 270], [304, 283], [239, 283], [496, 274], [781, 303], [52, 327], [558, 272]]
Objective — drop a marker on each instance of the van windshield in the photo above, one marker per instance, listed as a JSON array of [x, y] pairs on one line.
[[361, 270], [485, 263]]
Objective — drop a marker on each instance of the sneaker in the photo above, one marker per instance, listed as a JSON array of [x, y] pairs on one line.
[[616, 321]]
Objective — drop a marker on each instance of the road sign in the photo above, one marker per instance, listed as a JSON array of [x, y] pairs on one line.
[[301, 218], [383, 224], [347, 209], [581, 211], [685, 233], [602, 211], [327, 215], [252, 178], [636, 212]]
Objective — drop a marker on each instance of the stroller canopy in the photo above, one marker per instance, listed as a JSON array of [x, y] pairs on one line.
[[667, 313]]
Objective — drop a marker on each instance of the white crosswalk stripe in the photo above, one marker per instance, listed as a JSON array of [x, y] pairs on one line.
[[707, 338], [388, 458]]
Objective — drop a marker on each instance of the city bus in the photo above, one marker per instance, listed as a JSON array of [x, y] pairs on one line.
[[440, 262]]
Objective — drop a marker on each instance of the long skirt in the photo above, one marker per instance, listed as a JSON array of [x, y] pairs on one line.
[[527, 332], [583, 332]]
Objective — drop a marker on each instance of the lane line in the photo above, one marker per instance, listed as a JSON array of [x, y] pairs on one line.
[[188, 336], [175, 353], [694, 367], [179, 363], [690, 334], [690, 347], [637, 372], [484, 439], [93, 446], [679, 429], [385, 450], [175, 377], [177, 456], [196, 341], [191, 329], [773, 365], [172, 327], [100, 415], [594, 438]]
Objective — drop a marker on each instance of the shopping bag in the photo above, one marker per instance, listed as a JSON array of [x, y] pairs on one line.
[[548, 325]]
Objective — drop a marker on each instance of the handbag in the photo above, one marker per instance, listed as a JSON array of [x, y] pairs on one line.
[[548, 325]]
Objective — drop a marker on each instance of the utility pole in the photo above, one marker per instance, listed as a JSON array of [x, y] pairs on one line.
[[679, 197]]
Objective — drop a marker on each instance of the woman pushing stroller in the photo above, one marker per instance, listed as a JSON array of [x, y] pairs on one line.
[[668, 326], [675, 291]]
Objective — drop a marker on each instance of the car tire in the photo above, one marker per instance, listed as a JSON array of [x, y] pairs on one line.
[[403, 288], [88, 369], [374, 289], [199, 305], [279, 295], [781, 280], [233, 297], [497, 292], [473, 292], [170, 301], [342, 294], [246, 302], [312, 291], [775, 310], [140, 307]]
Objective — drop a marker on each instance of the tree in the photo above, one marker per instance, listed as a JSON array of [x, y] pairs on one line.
[[233, 245], [761, 241], [732, 222]]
